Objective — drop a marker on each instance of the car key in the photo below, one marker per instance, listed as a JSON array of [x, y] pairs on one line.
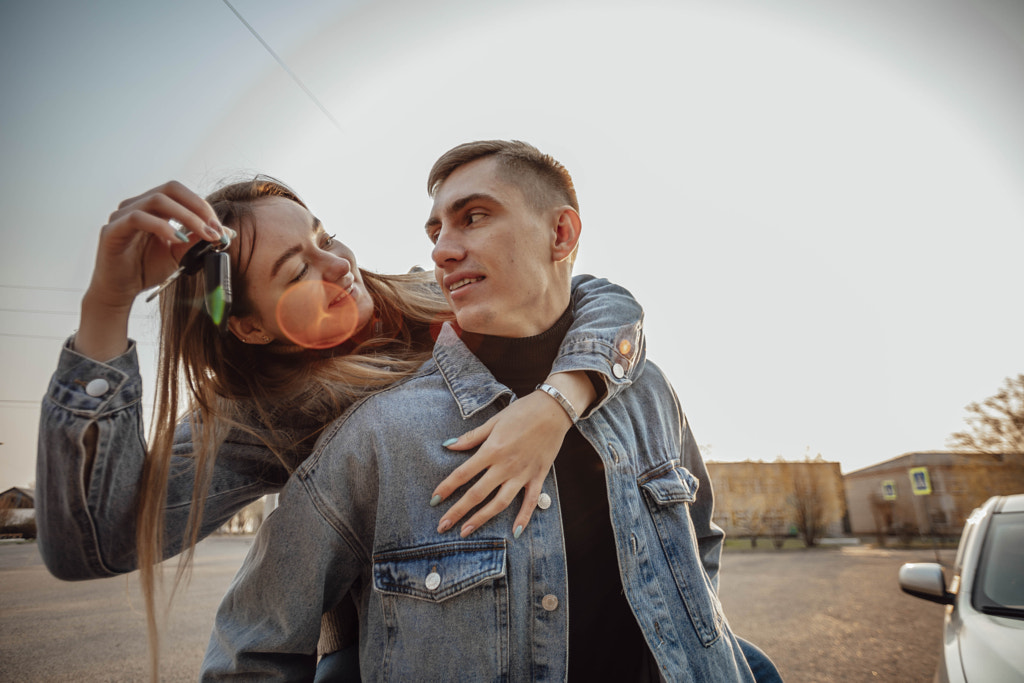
[[190, 263]]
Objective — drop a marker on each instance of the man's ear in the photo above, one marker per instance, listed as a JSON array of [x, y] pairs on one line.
[[248, 329], [567, 233]]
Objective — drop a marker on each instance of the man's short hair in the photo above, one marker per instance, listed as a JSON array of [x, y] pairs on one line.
[[544, 182]]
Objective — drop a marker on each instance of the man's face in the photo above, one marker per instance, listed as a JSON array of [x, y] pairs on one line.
[[493, 254]]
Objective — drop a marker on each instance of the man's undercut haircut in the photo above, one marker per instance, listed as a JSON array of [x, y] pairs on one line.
[[544, 182]]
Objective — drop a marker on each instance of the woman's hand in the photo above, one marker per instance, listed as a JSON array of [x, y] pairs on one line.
[[138, 248], [519, 447]]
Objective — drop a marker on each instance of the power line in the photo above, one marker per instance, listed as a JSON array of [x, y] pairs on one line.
[[140, 342], [284, 66], [45, 289], [33, 336], [27, 310], [144, 316]]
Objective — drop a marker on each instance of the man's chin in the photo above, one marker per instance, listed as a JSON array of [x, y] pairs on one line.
[[473, 320]]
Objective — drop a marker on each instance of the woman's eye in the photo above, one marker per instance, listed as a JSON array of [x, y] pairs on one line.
[[302, 273], [328, 241]]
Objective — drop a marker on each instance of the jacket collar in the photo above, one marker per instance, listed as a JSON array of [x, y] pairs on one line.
[[471, 384]]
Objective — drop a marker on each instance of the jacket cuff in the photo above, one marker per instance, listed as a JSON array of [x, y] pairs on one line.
[[88, 387]]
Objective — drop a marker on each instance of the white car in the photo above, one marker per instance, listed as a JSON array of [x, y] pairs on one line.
[[984, 625]]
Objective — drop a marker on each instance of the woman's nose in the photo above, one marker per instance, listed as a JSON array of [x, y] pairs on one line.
[[334, 267]]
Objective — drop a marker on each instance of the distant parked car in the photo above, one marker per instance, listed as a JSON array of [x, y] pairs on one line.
[[984, 625]]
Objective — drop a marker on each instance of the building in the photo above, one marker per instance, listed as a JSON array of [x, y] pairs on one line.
[[948, 485], [17, 506], [766, 498]]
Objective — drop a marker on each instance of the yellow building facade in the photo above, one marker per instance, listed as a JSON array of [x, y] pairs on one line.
[[764, 499]]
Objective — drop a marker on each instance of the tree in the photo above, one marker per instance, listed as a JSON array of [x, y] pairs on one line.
[[6, 513], [996, 425], [808, 501]]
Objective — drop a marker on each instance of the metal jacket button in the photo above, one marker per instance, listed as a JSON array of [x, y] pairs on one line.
[[549, 602], [433, 581], [544, 501], [618, 371], [97, 387]]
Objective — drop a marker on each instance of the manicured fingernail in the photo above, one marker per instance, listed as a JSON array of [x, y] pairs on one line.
[[225, 239], [444, 526], [518, 532], [449, 442], [182, 237], [435, 501], [467, 530]]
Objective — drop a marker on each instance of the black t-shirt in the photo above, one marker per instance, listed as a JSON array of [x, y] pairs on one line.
[[605, 641]]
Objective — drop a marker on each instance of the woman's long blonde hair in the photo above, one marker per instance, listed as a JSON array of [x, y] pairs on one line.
[[264, 390]]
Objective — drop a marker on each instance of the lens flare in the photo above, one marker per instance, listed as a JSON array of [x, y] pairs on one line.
[[317, 314]]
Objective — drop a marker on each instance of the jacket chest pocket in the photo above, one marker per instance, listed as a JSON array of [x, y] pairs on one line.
[[435, 595], [669, 494]]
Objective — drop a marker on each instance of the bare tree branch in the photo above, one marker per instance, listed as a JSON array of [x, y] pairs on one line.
[[996, 425]]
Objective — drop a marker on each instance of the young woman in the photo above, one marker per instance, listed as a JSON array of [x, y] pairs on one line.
[[255, 400]]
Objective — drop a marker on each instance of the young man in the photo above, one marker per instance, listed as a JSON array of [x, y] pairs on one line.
[[623, 538]]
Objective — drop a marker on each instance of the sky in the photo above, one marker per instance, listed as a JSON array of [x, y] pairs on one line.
[[819, 205]]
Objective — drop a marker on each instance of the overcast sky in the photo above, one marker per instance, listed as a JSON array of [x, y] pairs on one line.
[[818, 204]]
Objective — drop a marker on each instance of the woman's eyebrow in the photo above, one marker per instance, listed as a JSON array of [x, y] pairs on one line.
[[292, 251], [283, 258]]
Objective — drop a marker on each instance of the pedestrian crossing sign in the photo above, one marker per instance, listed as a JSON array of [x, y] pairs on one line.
[[920, 484], [888, 490]]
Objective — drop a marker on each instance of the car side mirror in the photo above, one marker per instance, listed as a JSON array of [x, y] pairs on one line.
[[925, 580]]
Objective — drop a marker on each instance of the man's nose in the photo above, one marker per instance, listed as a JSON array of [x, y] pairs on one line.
[[447, 249]]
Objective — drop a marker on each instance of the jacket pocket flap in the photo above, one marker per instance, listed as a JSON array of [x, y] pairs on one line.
[[670, 484], [439, 571]]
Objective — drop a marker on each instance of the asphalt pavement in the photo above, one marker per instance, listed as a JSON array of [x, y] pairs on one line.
[[823, 615]]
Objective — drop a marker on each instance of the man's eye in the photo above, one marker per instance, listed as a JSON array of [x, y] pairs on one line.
[[475, 217]]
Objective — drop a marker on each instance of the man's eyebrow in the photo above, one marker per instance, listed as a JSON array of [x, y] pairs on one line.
[[459, 204], [292, 251]]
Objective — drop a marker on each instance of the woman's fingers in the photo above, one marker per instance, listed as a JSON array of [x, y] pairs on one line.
[[146, 236], [530, 499], [469, 500], [469, 469], [172, 202], [501, 500], [517, 449]]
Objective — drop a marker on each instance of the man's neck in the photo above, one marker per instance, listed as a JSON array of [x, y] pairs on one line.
[[521, 363]]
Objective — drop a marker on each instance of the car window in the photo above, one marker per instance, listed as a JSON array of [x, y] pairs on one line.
[[999, 584]]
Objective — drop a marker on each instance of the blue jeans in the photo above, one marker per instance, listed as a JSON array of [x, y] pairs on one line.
[[761, 664], [342, 665]]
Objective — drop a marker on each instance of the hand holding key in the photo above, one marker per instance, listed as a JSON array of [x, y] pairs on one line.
[[139, 247]]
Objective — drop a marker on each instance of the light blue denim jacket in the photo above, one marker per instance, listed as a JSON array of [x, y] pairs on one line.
[[86, 496], [354, 517]]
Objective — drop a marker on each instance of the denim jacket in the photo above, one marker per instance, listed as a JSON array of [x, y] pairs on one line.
[[86, 494], [491, 607]]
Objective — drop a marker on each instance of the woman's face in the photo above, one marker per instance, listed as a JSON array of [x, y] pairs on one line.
[[304, 284]]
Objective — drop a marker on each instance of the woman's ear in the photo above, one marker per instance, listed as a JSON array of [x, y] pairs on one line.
[[248, 329], [567, 233]]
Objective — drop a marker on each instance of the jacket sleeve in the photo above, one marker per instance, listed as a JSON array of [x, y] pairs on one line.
[[90, 455], [606, 338], [709, 535], [268, 624]]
